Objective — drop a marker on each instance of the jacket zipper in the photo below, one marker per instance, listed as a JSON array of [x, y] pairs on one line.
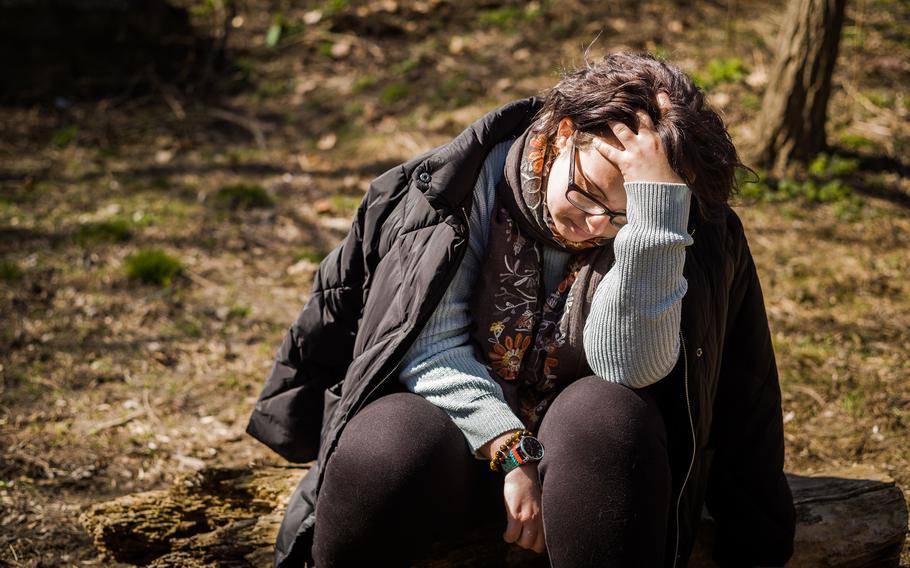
[[694, 442]]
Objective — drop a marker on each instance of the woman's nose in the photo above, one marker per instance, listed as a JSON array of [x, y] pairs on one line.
[[598, 224]]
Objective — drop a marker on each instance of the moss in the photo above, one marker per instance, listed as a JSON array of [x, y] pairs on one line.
[[239, 312], [345, 202], [65, 136], [719, 71], [363, 83], [313, 255], [241, 196], [508, 18], [394, 92], [827, 166], [856, 141], [111, 231], [10, 271], [152, 266]]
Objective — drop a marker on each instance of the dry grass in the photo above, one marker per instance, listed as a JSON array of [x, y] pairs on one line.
[[108, 386]]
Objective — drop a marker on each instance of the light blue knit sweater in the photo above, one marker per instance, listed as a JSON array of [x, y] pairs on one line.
[[631, 335]]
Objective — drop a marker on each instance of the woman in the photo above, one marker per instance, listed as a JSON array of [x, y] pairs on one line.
[[535, 298]]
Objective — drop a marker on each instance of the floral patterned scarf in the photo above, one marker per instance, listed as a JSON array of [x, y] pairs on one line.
[[532, 344]]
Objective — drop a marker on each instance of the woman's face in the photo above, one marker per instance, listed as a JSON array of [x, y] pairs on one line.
[[593, 173]]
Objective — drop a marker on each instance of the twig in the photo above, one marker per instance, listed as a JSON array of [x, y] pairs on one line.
[[199, 279], [148, 407], [867, 104], [813, 394], [33, 460], [117, 422], [247, 124]]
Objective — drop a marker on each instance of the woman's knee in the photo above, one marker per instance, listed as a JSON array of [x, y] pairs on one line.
[[394, 460], [593, 413], [396, 430]]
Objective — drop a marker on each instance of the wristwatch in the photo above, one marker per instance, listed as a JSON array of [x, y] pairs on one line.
[[528, 449]]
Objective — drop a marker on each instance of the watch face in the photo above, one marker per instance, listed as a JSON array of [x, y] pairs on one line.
[[532, 447]]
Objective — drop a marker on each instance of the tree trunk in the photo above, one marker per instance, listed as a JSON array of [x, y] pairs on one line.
[[230, 517], [791, 126]]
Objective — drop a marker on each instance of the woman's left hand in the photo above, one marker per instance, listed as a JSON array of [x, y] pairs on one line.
[[642, 157]]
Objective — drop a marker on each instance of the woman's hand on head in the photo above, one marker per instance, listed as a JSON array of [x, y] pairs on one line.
[[521, 491], [642, 156]]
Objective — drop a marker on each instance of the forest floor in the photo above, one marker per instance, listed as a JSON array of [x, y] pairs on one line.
[[109, 386]]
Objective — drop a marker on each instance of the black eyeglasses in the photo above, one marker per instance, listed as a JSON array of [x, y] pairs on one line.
[[587, 202]]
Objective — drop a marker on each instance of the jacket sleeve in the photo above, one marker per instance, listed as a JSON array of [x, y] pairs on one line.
[[747, 492], [314, 353]]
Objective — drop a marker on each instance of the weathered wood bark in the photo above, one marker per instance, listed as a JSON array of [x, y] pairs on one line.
[[229, 517], [791, 126]]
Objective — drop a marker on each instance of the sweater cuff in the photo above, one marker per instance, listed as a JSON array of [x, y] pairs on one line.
[[658, 205], [491, 418]]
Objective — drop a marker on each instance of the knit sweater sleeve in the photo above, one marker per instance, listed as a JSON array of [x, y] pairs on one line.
[[441, 365], [631, 335]]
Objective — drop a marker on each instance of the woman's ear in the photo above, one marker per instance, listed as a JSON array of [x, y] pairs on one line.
[[564, 132]]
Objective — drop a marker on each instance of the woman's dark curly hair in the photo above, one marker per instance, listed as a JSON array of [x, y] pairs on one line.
[[695, 138]]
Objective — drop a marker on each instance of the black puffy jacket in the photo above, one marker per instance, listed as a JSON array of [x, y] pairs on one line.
[[373, 294]]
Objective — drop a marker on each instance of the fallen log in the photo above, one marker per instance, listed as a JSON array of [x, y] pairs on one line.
[[848, 518]]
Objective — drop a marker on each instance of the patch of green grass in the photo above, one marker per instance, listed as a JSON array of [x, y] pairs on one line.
[[270, 89], [345, 202], [10, 271], [64, 136], [452, 91], [880, 100], [334, 6], [313, 255], [325, 48], [750, 102], [719, 71], [241, 196], [830, 191], [508, 18], [239, 312], [189, 327], [152, 266], [661, 52], [110, 231], [856, 141], [406, 66], [394, 92], [160, 182], [364, 82], [109, 151], [823, 184], [854, 403], [828, 166], [242, 155]]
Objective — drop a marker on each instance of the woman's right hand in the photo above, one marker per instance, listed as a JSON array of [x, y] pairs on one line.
[[521, 491]]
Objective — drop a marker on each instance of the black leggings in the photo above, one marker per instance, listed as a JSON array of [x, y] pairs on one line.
[[402, 477]]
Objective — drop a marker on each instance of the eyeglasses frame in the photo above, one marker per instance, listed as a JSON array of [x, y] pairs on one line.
[[572, 186]]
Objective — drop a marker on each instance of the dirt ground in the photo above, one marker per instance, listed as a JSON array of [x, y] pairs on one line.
[[109, 386]]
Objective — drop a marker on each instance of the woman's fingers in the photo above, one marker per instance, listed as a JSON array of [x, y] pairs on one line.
[[644, 120], [513, 529], [607, 150], [540, 545], [622, 132], [528, 536]]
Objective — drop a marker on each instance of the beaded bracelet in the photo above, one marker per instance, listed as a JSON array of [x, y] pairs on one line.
[[499, 455]]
